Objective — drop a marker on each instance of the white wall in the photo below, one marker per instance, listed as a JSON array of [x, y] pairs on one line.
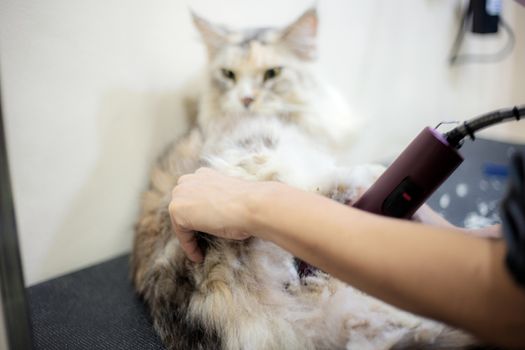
[[92, 92]]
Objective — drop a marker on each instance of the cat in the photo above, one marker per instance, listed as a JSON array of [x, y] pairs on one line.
[[264, 115]]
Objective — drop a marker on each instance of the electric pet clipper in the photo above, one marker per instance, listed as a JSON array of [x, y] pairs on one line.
[[424, 165]]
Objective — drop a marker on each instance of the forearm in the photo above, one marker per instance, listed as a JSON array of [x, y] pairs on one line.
[[436, 272]]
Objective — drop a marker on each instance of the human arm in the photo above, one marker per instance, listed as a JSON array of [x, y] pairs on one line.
[[436, 272]]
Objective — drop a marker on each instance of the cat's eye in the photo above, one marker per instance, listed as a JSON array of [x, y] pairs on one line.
[[228, 74], [272, 73]]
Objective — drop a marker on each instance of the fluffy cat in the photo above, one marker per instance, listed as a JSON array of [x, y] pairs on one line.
[[263, 116]]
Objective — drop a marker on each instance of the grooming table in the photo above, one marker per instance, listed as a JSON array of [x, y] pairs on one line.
[[96, 308]]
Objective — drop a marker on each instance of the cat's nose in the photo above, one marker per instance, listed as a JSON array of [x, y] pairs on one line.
[[247, 101]]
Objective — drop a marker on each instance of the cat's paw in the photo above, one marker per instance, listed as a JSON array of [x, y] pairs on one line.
[[343, 193], [320, 285], [348, 184], [314, 285]]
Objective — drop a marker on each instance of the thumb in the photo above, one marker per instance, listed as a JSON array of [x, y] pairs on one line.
[[188, 242]]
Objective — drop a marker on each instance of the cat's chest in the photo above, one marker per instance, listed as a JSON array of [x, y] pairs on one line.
[[256, 135]]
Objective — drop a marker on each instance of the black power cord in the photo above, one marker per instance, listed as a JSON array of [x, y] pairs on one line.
[[455, 136]]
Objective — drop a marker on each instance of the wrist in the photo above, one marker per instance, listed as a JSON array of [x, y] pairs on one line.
[[258, 201]]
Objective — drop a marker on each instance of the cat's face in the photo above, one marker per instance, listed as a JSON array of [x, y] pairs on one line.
[[259, 71]]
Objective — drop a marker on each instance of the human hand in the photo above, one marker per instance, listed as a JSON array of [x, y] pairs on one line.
[[426, 215], [429, 216], [210, 202]]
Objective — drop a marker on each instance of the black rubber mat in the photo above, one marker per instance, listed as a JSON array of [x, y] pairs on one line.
[[94, 308]]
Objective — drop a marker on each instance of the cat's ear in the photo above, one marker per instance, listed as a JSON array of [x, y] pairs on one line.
[[214, 36], [300, 36]]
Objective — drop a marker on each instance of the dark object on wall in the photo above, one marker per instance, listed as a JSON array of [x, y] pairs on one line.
[[482, 17], [485, 16]]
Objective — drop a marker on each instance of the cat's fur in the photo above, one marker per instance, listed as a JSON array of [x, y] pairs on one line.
[[249, 294]]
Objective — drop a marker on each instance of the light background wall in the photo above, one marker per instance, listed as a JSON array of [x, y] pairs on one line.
[[92, 92]]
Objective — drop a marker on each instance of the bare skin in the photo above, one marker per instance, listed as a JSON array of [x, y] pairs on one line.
[[434, 270]]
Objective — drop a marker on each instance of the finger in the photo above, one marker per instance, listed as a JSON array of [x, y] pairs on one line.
[[186, 238], [188, 243], [243, 236], [184, 178], [204, 170]]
